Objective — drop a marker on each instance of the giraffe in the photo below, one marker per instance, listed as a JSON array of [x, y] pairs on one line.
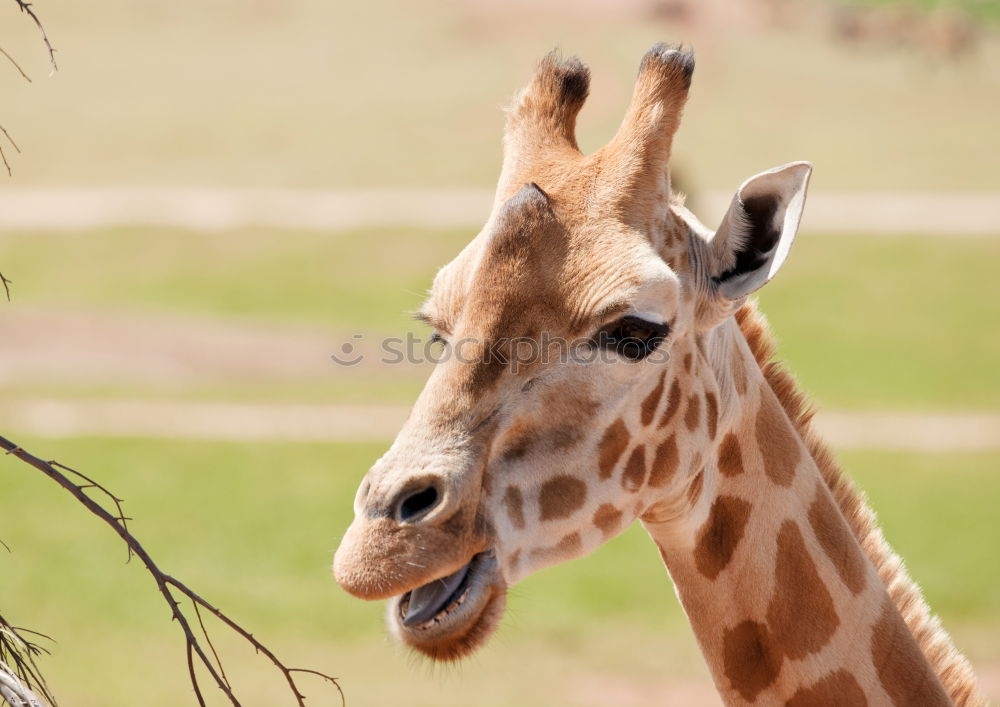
[[649, 394]]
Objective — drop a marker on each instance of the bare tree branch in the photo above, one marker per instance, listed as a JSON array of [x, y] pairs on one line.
[[16, 65], [6, 283], [4, 158], [26, 8], [208, 639], [119, 515], [10, 139], [167, 585]]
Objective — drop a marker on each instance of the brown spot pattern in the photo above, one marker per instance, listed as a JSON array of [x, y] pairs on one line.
[[958, 676], [634, 475], [712, 414], [560, 497], [837, 688], [720, 535], [564, 436], [612, 446], [561, 550], [607, 518], [673, 403], [901, 667], [574, 409], [665, 461], [730, 457], [837, 540], [778, 444], [801, 614], [517, 442], [515, 506], [687, 362], [693, 414], [749, 659], [652, 401]]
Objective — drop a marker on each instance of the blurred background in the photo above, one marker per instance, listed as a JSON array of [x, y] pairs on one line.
[[212, 198]]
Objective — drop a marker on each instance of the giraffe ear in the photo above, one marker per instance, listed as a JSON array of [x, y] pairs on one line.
[[758, 229]]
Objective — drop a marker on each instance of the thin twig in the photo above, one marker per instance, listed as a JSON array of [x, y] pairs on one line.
[[6, 283], [193, 673], [10, 139], [249, 638], [91, 484], [26, 7], [16, 65], [204, 632], [167, 585], [5, 164], [22, 629]]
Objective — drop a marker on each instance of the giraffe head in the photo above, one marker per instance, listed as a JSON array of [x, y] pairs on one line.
[[575, 322]]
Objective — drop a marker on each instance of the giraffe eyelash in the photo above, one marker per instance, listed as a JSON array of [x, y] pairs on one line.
[[633, 337], [435, 324]]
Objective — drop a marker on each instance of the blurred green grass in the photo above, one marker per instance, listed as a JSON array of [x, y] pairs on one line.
[[311, 93], [369, 279], [300, 94], [886, 322], [253, 526]]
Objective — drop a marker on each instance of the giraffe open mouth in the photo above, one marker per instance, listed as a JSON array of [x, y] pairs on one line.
[[435, 599], [450, 616]]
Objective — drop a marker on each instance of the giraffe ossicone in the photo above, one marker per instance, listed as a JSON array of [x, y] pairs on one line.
[[678, 419]]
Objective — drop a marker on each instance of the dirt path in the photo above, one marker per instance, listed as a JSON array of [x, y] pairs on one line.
[[379, 422], [342, 209], [50, 346]]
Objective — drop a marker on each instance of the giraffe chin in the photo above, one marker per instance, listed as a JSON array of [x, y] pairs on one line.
[[466, 620]]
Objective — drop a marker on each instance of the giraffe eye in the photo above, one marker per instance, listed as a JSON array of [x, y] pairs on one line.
[[632, 337]]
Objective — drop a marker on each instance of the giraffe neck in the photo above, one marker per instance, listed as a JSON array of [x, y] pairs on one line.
[[783, 600]]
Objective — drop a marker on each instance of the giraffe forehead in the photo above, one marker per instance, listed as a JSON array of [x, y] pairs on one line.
[[536, 270]]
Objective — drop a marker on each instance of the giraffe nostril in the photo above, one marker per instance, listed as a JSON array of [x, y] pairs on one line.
[[417, 504]]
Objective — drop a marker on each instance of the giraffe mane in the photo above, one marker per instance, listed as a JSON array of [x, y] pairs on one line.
[[951, 667]]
